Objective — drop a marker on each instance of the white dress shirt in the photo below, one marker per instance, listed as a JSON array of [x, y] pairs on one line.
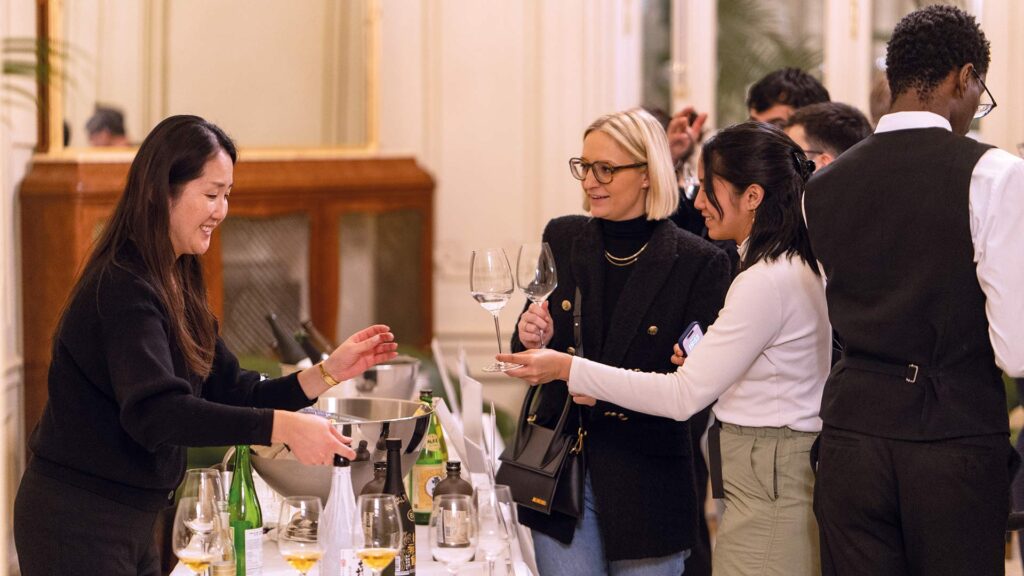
[[996, 200], [765, 358]]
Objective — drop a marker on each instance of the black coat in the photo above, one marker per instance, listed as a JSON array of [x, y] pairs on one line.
[[640, 466]]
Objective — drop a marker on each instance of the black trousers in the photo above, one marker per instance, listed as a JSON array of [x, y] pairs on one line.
[[899, 508], [63, 530]]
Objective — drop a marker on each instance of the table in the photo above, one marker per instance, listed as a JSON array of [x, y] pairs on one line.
[[274, 564]]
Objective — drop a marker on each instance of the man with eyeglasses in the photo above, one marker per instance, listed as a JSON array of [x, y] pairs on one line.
[[918, 230], [826, 130]]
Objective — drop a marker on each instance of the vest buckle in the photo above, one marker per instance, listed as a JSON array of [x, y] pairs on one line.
[[912, 370]]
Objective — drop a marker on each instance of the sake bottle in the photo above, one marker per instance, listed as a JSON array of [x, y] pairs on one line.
[[336, 526], [245, 518], [405, 561], [429, 467]]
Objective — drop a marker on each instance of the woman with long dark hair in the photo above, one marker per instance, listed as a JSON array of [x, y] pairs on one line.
[[764, 360], [138, 372]]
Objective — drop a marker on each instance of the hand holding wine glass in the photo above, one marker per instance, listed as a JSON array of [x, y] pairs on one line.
[[491, 285], [378, 530], [537, 278], [197, 537], [453, 530], [298, 532]]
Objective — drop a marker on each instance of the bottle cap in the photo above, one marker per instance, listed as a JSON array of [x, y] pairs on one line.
[[382, 465], [393, 443], [341, 461], [362, 454], [454, 466]]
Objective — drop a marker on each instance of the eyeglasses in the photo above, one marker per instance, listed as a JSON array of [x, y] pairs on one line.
[[985, 107], [603, 171], [816, 153]]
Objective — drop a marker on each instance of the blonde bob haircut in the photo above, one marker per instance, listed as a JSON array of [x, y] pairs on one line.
[[643, 138]]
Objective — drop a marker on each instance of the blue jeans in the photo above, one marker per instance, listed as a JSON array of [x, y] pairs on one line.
[[585, 555]]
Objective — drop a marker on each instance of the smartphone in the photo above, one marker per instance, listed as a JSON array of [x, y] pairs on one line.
[[690, 338]]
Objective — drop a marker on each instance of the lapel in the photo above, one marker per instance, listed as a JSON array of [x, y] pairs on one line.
[[588, 269], [644, 284]]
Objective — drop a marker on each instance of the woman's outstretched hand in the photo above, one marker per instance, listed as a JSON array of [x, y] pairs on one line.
[[539, 366], [678, 358], [366, 348]]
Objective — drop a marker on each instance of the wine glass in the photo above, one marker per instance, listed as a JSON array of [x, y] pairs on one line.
[[536, 274], [689, 181], [493, 528], [378, 530], [298, 532], [491, 285], [198, 536], [453, 530], [205, 483]]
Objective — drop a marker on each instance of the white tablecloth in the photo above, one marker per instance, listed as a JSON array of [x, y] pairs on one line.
[[274, 564]]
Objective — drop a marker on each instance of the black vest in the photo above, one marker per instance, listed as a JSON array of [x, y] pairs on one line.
[[890, 222]]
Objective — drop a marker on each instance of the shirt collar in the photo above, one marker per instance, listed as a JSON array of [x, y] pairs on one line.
[[910, 120]]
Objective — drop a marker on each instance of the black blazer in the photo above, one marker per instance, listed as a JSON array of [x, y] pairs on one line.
[[640, 466]]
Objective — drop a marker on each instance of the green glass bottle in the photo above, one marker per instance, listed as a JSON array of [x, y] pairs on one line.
[[428, 470], [245, 517]]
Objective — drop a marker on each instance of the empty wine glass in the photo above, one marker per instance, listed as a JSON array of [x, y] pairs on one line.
[[377, 528], [491, 285], [298, 532], [492, 526], [453, 530], [197, 537], [536, 274]]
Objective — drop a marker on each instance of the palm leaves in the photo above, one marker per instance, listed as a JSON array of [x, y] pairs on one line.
[[27, 61], [753, 41]]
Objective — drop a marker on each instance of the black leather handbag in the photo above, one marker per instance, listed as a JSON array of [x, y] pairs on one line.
[[545, 467]]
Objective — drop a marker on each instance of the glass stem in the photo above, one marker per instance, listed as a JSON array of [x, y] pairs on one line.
[[497, 331]]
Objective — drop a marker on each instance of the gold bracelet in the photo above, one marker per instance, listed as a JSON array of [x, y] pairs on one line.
[[327, 378]]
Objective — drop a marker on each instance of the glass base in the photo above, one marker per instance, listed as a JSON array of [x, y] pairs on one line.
[[501, 367]]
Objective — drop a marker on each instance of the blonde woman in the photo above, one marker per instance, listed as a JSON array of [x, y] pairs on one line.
[[641, 280]]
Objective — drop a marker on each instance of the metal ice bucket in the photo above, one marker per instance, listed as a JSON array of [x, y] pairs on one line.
[[369, 420], [395, 378]]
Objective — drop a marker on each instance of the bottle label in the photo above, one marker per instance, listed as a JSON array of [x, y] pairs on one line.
[[454, 528], [432, 444], [254, 552], [350, 564], [405, 562], [425, 478]]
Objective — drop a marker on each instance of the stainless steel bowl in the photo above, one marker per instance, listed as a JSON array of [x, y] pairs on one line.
[[369, 420], [393, 379]]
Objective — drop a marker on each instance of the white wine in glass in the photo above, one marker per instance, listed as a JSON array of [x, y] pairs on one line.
[[298, 532], [536, 273], [197, 537], [491, 285], [377, 528]]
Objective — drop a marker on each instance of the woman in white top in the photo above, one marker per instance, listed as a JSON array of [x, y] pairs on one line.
[[765, 359]]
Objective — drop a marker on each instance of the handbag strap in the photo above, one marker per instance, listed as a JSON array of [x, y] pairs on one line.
[[531, 394]]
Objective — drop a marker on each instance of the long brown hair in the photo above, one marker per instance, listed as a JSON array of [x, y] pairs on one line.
[[173, 154]]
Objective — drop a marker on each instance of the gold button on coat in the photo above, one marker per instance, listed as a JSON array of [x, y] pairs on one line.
[[570, 350], [623, 417], [653, 330], [566, 305]]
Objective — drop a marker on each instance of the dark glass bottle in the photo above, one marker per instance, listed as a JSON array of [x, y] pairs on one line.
[[287, 348], [309, 347], [318, 338], [405, 561], [453, 482], [380, 474]]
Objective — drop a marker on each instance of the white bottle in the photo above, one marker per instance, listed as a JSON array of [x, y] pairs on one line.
[[336, 526]]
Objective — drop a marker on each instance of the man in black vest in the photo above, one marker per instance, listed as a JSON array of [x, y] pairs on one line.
[[918, 229]]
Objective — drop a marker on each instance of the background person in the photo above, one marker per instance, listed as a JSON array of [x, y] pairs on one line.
[[918, 231], [106, 127], [826, 130], [642, 280], [138, 372]]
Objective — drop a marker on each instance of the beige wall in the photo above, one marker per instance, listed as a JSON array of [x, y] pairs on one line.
[[17, 137]]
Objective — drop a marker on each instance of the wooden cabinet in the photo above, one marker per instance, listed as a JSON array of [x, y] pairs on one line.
[[64, 203]]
